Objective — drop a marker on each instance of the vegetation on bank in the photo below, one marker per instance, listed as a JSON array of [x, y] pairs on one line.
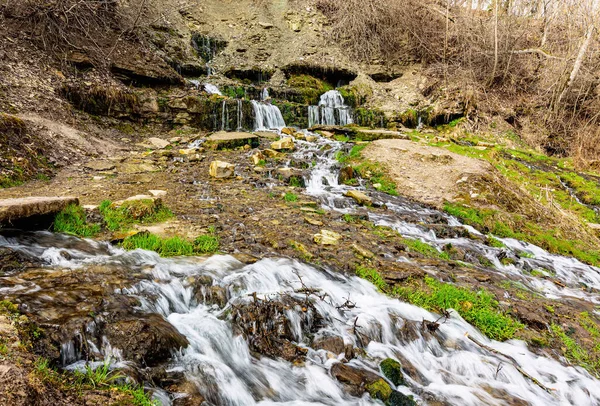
[[101, 378], [375, 174], [479, 308], [174, 246]]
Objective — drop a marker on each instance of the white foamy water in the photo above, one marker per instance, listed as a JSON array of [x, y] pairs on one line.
[[331, 110]]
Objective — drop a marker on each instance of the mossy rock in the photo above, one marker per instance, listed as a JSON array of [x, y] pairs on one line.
[[379, 390], [392, 370], [400, 399]]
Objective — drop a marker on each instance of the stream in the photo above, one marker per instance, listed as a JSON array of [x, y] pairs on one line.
[[447, 368]]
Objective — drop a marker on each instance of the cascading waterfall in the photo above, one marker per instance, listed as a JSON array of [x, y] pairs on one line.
[[240, 115], [267, 116], [330, 111], [264, 94], [224, 116], [446, 366]]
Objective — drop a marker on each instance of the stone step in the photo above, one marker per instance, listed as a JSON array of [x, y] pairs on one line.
[[12, 210]]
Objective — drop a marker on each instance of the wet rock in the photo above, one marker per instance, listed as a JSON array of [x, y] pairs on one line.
[[400, 399], [331, 343], [13, 261], [311, 138], [288, 131], [147, 340], [267, 134], [283, 144], [392, 370], [12, 210], [346, 173], [359, 197], [221, 169], [271, 153], [231, 140], [313, 221], [326, 237], [354, 380], [158, 142]]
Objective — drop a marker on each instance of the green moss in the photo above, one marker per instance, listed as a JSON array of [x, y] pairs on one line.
[[310, 87], [587, 190], [73, 220], [494, 242], [379, 390], [479, 308], [392, 370], [377, 175]]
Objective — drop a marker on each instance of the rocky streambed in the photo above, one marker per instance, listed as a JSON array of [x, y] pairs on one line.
[[258, 326]]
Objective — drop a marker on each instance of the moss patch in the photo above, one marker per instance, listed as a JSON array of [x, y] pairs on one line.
[[72, 220], [171, 247]]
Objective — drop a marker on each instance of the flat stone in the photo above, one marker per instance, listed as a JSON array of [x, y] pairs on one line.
[[265, 25], [100, 165], [360, 198], [379, 134], [16, 209], [158, 193], [224, 139], [283, 144], [313, 221], [137, 168], [326, 237], [158, 142], [221, 169]]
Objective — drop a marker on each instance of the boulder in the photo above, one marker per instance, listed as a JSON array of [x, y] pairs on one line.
[[230, 140], [354, 380], [12, 210], [287, 131], [267, 134], [331, 343], [346, 173], [360, 198], [257, 158], [158, 142], [283, 144], [326, 237], [148, 339], [221, 169], [311, 138], [271, 153]]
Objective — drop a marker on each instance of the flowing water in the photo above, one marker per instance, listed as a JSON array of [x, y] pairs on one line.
[[446, 366], [331, 110], [267, 116]]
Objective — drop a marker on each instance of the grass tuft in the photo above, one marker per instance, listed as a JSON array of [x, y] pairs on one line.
[[172, 247], [72, 220]]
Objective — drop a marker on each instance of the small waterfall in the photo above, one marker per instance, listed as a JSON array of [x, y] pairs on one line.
[[264, 94], [212, 89], [224, 116], [267, 116], [240, 115], [330, 111]]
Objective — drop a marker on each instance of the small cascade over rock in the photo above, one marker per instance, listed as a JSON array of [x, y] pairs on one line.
[[212, 89], [330, 111], [267, 116]]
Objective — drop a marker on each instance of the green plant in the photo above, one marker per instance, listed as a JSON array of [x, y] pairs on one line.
[[574, 352], [494, 242], [101, 376], [479, 308], [290, 197], [349, 218], [145, 211], [72, 220], [424, 249], [206, 244], [372, 276], [295, 182], [168, 247]]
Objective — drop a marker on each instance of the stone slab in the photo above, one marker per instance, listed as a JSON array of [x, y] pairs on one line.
[[16, 209]]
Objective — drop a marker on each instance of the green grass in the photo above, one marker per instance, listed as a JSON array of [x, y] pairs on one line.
[[290, 197], [144, 211], [342, 138], [425, 249], [172, 247], [494, 242], [72, 220], [101, 378], [588, 191], [354, 153], [549, 239], [372, 276], [349, 218], [479, 308], [377, 175], [574, 352]]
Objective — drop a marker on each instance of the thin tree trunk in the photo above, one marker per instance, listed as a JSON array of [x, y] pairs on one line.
[[580, 56], [493, 76]]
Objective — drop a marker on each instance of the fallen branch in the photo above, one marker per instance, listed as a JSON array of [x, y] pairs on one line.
[[513, 362], [537, 51]]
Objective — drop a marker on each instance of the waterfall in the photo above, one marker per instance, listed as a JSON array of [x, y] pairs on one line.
[[330, 111], [240, 115], [224, 116], [267, 116], [212, 89], [264, 95]]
